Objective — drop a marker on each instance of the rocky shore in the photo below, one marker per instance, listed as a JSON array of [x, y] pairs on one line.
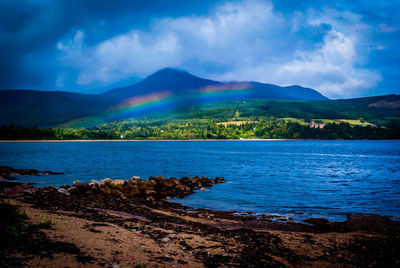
[[116, 223]]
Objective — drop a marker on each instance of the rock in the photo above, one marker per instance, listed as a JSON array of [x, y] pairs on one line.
[[174, 180], [105, 189], [170, 183], [73, 190], [63, 191], [156, 188], [48, 172], [18, 189], [152, 183], [149, 192], [106, 181], [30, 190], [165, 239], [186, 181], [134, 180], [6, 172], [219, 179], [370, 223], [118, 193], [182, 188], [82, 185], [117, 183], [316, 221], [10, 191], [139, 233], [133, 193], [94, 185]]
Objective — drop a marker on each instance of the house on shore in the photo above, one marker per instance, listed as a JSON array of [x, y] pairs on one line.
[[316, 125]]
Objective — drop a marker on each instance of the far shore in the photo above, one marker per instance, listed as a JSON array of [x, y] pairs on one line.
[[184, 140], [156, 140]]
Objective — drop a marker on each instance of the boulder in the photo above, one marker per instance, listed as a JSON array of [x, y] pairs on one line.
[[219, 179], [63, 191], [135, 180], [174, 180], [105, 189], [73, 190], [117, 183], [133, 193], [149, 192], [82, 185], [94, 185], [170, 183], [185, 181], [106, 181], [182, 188]]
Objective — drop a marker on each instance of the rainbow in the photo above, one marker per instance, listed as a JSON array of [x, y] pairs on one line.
[[155, 101], [224, 92], [142, 103]]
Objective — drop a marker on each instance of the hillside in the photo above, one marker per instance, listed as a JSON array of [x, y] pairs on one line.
[[171, 93], [46, 108], [280, 108]]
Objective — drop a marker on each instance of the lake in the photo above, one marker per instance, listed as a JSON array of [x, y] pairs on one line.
[[298, 179]]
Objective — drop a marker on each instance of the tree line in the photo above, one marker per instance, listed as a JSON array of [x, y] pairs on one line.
[[201, 129]]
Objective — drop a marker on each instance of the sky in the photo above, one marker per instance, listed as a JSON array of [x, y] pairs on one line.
[[343, 49]]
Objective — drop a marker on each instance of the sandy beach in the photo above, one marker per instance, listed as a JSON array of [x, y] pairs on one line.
[[105, 229]]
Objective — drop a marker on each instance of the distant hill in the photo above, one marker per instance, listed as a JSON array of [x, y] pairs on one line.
[[46, 108], [167, 79], [391, 102], [282, 108], [175, 93], [180, 83]]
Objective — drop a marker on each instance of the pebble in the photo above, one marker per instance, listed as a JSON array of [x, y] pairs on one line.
[[165, 239]]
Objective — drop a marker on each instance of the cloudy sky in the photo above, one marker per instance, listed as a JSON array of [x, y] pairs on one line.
[[341, 48]]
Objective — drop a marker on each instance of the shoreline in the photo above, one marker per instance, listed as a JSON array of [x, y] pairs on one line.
[[205, 140], [119, 140], [162, 233], [107, 223]]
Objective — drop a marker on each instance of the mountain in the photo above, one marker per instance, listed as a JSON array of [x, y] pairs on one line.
[[167, 79], [175, 93], [181, 82]]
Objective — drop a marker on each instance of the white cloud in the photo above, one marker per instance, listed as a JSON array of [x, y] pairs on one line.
[[250, 40], [331, 68]]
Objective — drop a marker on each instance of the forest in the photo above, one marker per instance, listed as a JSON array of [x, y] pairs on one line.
[[246, 128]]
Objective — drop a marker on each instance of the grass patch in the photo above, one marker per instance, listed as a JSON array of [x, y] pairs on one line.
[[19, 239]]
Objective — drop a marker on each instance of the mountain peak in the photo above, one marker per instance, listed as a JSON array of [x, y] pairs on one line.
[[166, 79], [169, 73], [169, 70]]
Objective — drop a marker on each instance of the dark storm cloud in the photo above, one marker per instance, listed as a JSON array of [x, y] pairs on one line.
[[341, 48], [30, 30]]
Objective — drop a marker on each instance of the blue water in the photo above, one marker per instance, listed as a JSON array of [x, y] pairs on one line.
[[299, 179]]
